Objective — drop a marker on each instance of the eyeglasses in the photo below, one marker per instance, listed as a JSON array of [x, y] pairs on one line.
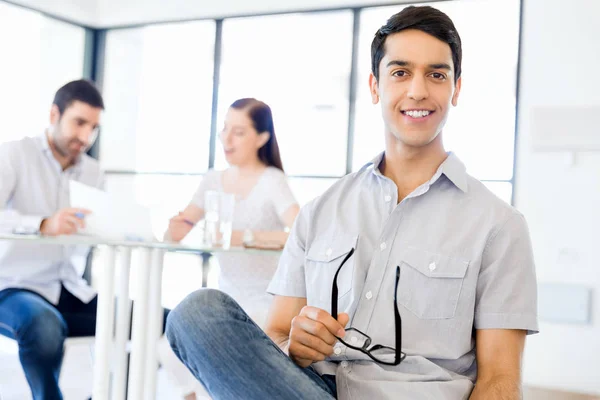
[[373, 351]]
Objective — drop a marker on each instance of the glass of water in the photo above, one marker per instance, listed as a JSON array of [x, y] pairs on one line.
[[219, 208]]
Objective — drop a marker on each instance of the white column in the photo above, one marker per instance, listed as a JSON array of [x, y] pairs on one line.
[[140, 328], [104, 326], [155, 322], [122, 326]]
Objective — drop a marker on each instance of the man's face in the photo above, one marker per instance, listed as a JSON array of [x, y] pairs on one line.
[[416, 87], [76, 129]]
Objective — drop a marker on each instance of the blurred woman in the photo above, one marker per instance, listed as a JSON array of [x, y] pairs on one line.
[[264, 204]]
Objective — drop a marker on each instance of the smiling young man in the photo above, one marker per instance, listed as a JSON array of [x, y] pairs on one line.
[[433, 273]]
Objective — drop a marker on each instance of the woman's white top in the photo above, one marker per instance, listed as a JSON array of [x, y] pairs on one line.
[[246, 277]]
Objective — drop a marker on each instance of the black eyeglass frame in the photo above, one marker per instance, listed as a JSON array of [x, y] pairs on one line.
[[366, 348]]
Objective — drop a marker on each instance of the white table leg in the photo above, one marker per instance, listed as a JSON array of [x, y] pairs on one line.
[[104, 327], [139, 327], [155, 322], [122, 326]]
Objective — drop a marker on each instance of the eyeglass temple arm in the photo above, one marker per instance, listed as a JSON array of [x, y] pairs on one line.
[[334, 291], [397, 318]]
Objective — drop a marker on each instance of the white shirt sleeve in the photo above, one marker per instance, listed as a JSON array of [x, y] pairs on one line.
[[506, 288], [281, 194], [289, 279], [11, 220]]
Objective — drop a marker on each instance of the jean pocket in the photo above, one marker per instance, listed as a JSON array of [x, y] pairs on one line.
[[430, 283]]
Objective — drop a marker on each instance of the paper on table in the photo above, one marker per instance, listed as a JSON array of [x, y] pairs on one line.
[[111, 217]]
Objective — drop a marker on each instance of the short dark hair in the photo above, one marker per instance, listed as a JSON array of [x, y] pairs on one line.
[[262, 119], [426, 19], [80, 90]]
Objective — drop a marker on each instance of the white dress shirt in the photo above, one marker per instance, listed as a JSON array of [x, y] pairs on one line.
[[245, 277], [33, 186]]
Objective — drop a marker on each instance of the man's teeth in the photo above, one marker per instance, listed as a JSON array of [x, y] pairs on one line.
[[417, 114]]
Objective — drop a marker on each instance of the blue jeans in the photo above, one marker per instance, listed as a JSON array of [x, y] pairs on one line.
[[233, 357], [40, 329]]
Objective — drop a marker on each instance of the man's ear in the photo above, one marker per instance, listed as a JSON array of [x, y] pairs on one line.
[[456, 91], [374, 89], [54, 114]]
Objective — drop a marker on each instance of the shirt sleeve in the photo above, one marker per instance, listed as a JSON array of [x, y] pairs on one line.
[[209, 182], [289, 279], [12, 221], [282, 195], [507, 286]]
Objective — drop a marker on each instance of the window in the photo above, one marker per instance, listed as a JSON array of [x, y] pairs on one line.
[[299, 65], [158, 97], [158, 93], [481, 129], [39, 55]]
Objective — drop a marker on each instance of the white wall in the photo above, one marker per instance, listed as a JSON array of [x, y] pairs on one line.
[[560, 58]]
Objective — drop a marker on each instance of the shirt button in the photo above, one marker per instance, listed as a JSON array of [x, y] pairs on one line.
[[432, 266], [369, 295], [382, 246], [344, 364], [353, 340], [388, 198], [337, 351]]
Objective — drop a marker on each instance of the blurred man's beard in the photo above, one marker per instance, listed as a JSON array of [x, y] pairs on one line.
[[63, 148]]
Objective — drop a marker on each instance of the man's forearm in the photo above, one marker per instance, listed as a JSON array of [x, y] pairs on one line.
[[498, 388]]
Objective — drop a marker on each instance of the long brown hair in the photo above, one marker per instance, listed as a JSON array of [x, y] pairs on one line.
[[262, 119]]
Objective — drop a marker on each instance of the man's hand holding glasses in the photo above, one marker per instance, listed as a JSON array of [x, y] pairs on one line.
[[313, 333]]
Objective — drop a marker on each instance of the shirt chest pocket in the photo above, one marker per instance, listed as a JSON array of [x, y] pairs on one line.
[[322, 260], [430, 283]]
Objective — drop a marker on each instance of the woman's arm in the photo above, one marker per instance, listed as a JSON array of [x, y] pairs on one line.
[[181, 224]]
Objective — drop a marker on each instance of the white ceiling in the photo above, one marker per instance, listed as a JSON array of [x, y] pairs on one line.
[[110, 13]]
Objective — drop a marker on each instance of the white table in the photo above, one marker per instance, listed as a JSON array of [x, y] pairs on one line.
[[147, 313]]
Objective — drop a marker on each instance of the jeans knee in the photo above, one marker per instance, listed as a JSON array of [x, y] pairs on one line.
[[196, 311], [44, 334]]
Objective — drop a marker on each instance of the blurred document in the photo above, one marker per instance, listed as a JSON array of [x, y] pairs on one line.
[[111, 217]]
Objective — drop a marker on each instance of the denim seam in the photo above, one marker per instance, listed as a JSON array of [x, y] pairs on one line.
[[8, 328]]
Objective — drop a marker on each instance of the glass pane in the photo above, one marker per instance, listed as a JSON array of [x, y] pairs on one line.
[[481, 129], [501, 189], [39, 55], [286, 62], [158, 95]]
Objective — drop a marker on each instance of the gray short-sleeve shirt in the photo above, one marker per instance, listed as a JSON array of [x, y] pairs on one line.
[[465, 263]]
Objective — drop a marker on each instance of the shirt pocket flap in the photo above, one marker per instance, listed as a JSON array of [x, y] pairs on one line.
[[435, 265], [329, 248]]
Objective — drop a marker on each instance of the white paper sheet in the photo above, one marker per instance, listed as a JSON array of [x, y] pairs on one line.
[[111, 217]]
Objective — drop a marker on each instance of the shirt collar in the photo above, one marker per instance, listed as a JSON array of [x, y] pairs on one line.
[[452, 168], [375, 162]]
